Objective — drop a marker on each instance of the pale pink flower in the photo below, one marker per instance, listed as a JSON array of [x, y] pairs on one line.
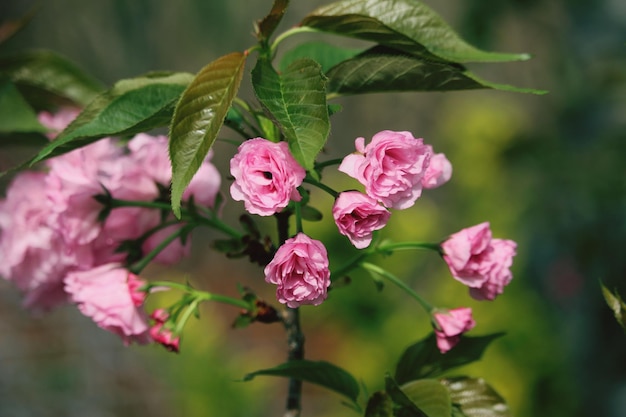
[[450, 325], [104, 294], [478, 261], [33, 253], [439, 171], [58, 121], [357, 216], [300, 269], [266, 176], [391, 167]]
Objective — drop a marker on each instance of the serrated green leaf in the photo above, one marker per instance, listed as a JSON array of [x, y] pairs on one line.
[[407, 408], [384, 69], [198, 117], [15, 113], [476, 398], [408, 25], [132, 106], [52, 73], [616, 304], [379, 405], [432, 398], [268, 24], [325, 54], [320, 373], [296, 99], [423, 359]]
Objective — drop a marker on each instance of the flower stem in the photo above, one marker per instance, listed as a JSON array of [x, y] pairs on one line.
[[321, 186], [201, 295], [138, 266], [321, 165], [389, 276], [392, 247]]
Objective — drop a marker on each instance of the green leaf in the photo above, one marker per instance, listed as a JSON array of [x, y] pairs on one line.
[[407, 407], [379, 405], [383, 69], [408, 25], [432, 398], [16, 115], [198, 117], [132, 106], [616, 304], [52, 73], [476, 398], [311, 214], [325, 54], [268, 25], [423, 359], [320, 373], [296, 99]]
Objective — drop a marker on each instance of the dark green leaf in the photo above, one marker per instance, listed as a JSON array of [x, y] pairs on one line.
[[616, 304], [132, 106], [52, 73], [407, 407], [432, 398], [266, 27], [423, 359], [379, 405], [408, 25], [311, 214], [384, 69], [476, 398], [325, 54], [296, 100], [198, 117], [320, 373], [16, 115]]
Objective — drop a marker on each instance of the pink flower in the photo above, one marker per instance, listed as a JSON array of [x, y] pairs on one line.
[[439, 171], [391, 167], [480, 262], [33, 253], [165, 337], [135, 285], [105, 295], [58, 121], [266, 176], [450, 324], [300, 269], [357, 216]]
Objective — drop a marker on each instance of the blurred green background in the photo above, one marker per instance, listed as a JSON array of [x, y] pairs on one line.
[[547, 171]]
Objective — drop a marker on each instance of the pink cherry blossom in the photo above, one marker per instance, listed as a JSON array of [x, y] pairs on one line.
[[357, 216], [478, 261], [104, 294], [266, 176], [300, 269], [391, 167], [450, 325], [439, 171], [33, 253]]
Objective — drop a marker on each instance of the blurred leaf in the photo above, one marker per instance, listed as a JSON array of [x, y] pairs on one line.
[[383, 69], [296, 99], [432, 398], [407, 408], [9, 28], [408, 25], [132, 106], [476, 398], [379, 405], [325, 54], [16, 115], [269, 23], [52, 73], [311, 214], [616, 304], [198, 117], [320, 373], [423, 359]]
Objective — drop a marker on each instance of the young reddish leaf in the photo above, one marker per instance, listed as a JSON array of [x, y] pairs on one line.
[[198, 117], [266, 27], [296, 99], [408, 25]]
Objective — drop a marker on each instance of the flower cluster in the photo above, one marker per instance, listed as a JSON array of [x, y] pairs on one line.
[[59, 242]]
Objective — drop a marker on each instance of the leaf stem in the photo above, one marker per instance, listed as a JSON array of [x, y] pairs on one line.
[[288, 33]]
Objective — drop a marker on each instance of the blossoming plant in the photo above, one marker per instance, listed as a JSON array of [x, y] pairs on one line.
[[102, 198]]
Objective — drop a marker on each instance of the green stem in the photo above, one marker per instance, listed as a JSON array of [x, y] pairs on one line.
[[321, 186], [288, 33], [392, 247], [298, 213], [388, 275], [180, 324], [322, 165], [138, 266], [201, 295], [352, 264]]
